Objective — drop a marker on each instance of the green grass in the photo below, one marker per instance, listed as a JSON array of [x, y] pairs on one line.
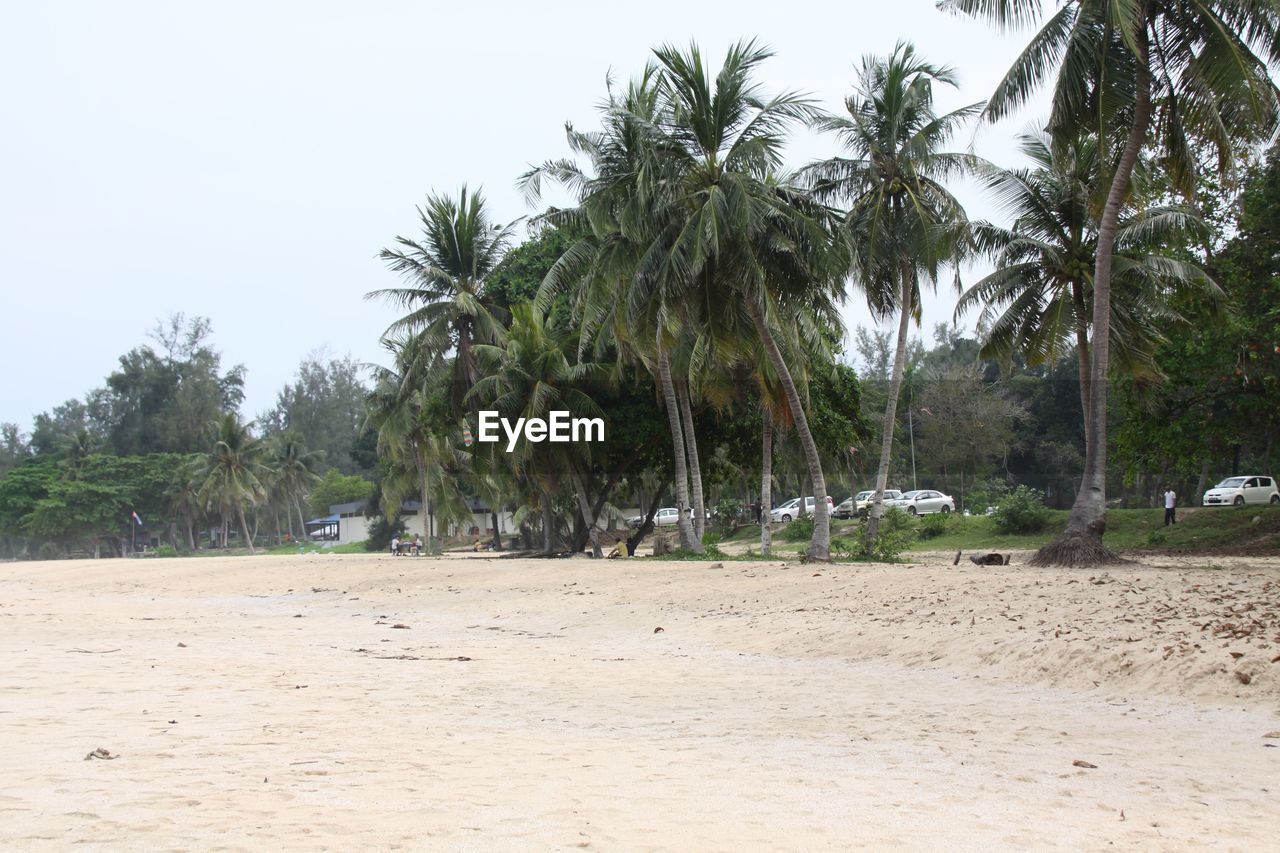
[[312, 548], [1198, 529]]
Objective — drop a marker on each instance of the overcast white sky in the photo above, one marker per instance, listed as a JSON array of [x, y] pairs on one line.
[[246, 161]]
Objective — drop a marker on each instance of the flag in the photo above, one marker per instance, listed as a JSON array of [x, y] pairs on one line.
[[135, 518]]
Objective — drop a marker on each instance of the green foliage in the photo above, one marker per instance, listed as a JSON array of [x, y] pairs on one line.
[[325, 407], [897, 533], [337, 488], [727, 513], [800, 530], [985, 494], [1021, 511], [711, 538], [933, 526], [164, 551]]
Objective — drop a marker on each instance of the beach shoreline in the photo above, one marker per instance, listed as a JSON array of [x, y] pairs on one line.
[[536, 703]]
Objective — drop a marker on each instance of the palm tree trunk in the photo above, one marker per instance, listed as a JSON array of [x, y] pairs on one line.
[[891, 408], [497, 535], [548, 523], [244, 528], [683, 525], [820, 544], [695, 468], [1081, 543], [584, 506], [1082, 354], [766, 479], [424, 487]]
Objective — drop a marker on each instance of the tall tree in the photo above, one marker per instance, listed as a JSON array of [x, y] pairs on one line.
[[1150, 72], [902, 222], [233, 474], [1037, 301], [446, 273]]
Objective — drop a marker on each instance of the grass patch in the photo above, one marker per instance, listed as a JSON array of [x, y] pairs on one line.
[[1198, 529]]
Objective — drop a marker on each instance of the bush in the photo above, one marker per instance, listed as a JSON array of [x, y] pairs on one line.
[[165, 551], [933, 526], [1021, 511], [897, 534], [983, 495], [797, 531], [728, 513], [711, 539]]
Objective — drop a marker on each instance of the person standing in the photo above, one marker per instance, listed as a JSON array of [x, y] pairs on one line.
[[1170, 502]]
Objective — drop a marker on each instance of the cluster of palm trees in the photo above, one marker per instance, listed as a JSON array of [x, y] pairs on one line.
[[243, 476], [699, 262]]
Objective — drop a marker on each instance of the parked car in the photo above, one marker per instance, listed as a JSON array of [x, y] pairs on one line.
[[664, 516], [923, 502], [791, 509], [1238, 491], [862, 500], [845, 509]]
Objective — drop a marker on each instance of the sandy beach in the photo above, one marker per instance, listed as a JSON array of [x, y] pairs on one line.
[[340, 702]]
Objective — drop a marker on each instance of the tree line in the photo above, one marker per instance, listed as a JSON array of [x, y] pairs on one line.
[[689, 295]]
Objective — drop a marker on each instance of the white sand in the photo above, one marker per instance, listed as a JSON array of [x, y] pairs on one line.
[[780, 708]]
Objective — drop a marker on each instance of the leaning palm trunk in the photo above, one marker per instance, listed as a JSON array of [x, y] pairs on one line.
[[1081, 543], [820, 544], [588, 515], [244, 527], [766, 480], [1082, 354], [548, 524], [891, 409], [683, 525], [695, 468]]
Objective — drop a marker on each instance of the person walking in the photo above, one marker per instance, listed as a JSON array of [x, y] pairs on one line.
[[1170, 502]]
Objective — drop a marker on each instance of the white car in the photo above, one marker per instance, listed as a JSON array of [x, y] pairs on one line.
[[666, 515], [923, 502], [1238, 491], [863, 499], [791, 509]]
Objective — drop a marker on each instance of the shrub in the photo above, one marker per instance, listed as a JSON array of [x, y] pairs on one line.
[[798, 530], [728, 513], [165, 551], [896, 534], [985, 494], [1021, 511], [711, 539], [933, 526]]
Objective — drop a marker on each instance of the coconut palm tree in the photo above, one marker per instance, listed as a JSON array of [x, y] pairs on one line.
[[1153, 72], [1037, 300], [412, 433], [743, 247], [530, 374], [446, 271], [902, 223], [621, 212], [296, 471], [233, 474]]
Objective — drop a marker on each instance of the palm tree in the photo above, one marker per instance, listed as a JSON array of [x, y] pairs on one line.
[[621, 212], [741, 246], [1037, 301], [446, 271], [902, 223], [527, 376], [410, 434], [232, 475], [295, 473], [1160, 72]]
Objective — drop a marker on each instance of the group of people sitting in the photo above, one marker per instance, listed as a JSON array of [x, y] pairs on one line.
[[405, 548]]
